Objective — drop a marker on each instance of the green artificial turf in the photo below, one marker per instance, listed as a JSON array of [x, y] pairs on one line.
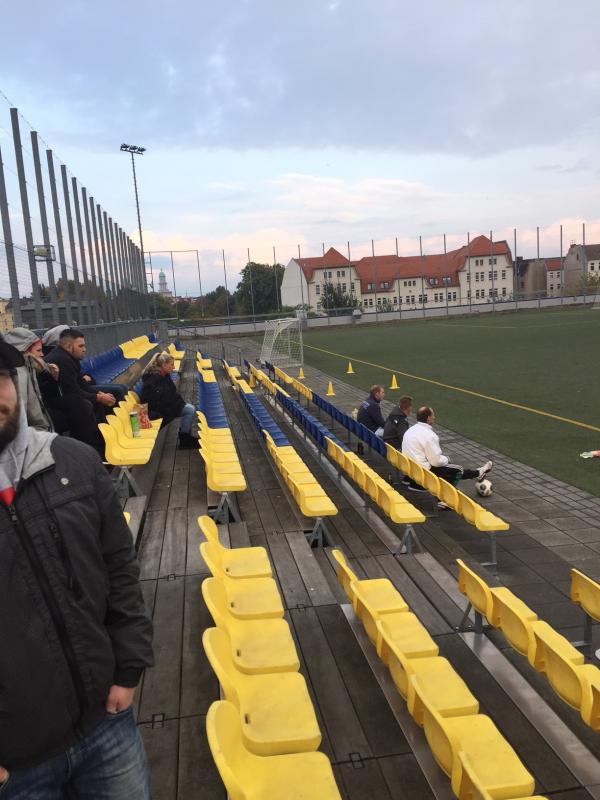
[[547, 360]]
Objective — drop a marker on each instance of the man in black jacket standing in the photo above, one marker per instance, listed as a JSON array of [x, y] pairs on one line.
[[75, 635], [84, 406]]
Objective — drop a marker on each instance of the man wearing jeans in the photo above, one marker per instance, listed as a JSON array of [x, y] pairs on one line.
[[75, 637]]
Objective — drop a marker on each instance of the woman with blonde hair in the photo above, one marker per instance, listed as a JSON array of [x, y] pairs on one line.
[[158, 390]]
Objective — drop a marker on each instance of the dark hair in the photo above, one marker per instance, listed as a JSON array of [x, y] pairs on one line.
[[405, 401], [72, 334], [424, 413]]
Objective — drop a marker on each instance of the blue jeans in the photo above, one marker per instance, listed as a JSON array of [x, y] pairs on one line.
[[188, 415], [119, 390], [109, 764]]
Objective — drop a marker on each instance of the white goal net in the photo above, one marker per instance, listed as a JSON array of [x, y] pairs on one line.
[[282, 345]]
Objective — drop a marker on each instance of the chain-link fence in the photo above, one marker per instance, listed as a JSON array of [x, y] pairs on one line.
[[63, 259]]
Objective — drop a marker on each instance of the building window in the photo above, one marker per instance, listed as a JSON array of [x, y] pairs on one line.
[[477, 277], [454, 295], [379, 301], [495, 260], [371, 302], [503, 274], [384, 285], [468, 277], [591, 266], [317, 289], [551, 287], [495, 274], [318, 306], [343, 287], [504, 291], [370, 287], [395, 301], [343, 273], [468, 294]]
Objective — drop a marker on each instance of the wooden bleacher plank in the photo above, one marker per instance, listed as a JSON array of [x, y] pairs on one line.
[[417, 602], [161, 743], [199, 685], [238, 534], [362, 781], [173, 556], [345, 535], [150, 550], [294, 591], [377, 720], [288, 519], [315, 583], [197, 776], [404, 771], [328, 572], [449, 610], [160, 691], [550, 773], [343, 726]]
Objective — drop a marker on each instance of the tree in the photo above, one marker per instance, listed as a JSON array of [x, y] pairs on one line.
[[334, 297], [160, 307], [259, 282]]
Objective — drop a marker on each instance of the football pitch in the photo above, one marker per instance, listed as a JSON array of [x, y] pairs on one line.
[[524, 383]]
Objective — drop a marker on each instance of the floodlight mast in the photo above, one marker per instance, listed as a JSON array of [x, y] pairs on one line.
[[135, 150]]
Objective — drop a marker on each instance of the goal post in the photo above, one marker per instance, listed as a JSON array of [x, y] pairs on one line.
[[282, 343]]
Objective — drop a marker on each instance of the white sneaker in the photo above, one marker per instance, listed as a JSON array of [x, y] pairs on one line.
[[483, 471], [442, 506]]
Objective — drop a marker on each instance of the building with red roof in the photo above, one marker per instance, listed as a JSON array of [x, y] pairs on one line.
[[477, 272]]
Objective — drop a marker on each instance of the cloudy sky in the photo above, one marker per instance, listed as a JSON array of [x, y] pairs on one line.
[[278, 124]]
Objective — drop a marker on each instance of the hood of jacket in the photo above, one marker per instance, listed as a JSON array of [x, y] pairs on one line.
[[21, 338], [39, 455], [51, 337]]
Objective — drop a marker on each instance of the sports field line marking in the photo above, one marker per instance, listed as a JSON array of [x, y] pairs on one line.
[[458, 389]]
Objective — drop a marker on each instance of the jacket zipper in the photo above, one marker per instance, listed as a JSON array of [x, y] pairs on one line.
[[52, 605]]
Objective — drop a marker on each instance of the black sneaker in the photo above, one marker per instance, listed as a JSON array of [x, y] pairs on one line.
[[412, 487]]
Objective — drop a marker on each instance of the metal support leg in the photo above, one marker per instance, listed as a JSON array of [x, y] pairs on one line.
[[225, 512], [586, 642], [318, 536], [406, 545], [493, 562], [462, 625], [125, 484]]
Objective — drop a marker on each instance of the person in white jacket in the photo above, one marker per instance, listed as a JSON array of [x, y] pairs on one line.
[[422, 444]]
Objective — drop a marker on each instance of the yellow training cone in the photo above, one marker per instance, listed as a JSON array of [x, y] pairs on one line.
[[330, 392], [301, 375], [252, 381], [349, 371], [394, 383]]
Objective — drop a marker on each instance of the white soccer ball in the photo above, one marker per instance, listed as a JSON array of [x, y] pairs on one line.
[[484, 488]]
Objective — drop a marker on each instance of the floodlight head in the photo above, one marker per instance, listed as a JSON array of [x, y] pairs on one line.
[[134, 149]]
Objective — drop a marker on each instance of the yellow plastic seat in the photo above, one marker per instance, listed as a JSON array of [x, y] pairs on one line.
[[247, 598], [250, 777], [586, 593], [431, 482], [493, 760], [276, 712], [475, 589], [417, 472], [177, 354], [403, 463], [556, 657], [446, 690], [590, 697], [471, 787], [513, 618], [257, 646], [408, 634], [480, 517], [224, 477], [379, 595], [145, 433], [125, 441], [127, 516], [240, 562], [448, 494], [117, 455]]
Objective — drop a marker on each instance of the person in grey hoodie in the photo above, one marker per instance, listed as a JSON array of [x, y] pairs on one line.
[[28, 343], [75, 636]]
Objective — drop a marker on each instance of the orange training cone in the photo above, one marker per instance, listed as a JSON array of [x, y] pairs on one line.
[[301, 375], [394, 383], [330, 392], [349, 371]]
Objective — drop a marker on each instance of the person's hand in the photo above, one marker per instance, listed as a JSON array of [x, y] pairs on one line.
[[119, 698], [54, 370], [106, 399], [3, 775], [87, 378]]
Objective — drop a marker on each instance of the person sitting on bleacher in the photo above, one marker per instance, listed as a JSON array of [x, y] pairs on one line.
[[158, 390], [422, 444], [72, 395], [369, 411], [29, 345]]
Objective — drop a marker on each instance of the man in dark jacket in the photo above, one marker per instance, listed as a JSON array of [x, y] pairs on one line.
[[84, 406], [396, 424], [75, 635], [369, 411]]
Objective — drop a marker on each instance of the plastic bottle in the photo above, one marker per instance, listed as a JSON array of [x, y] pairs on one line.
[[135, 423]]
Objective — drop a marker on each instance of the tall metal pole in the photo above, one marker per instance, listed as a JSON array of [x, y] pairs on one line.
[[226, 292], [200, 285], [137, 205], [9, 247], [37, 165], [59, 237], [251, 289], [174, 287], [71, 235], [275, 276]]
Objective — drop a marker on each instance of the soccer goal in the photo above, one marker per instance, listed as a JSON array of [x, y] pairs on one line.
[[282, 345]]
